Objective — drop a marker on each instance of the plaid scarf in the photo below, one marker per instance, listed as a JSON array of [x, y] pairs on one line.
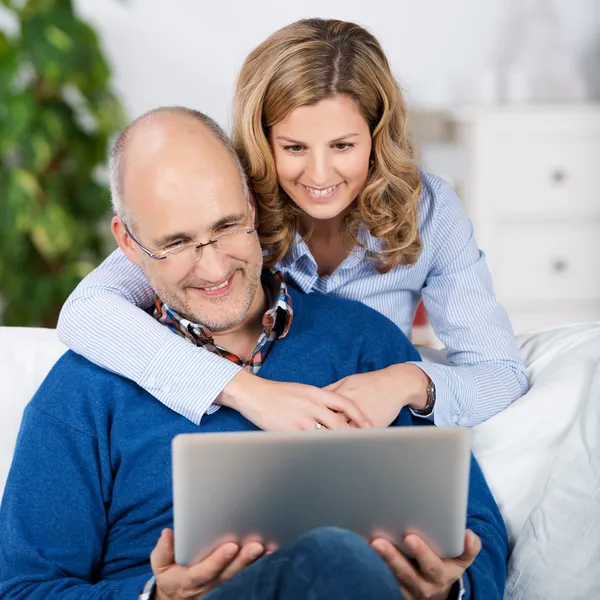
[[276, 323]]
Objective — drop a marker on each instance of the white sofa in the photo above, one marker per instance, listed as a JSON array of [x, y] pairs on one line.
[[541, 456]]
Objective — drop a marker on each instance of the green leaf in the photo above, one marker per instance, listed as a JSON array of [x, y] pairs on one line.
[[64, 50], [17, 113], [9, 63], [35, 152], [36, 6], [108, 111], [54, 124], [28, 185], [78, 270], [19, 192], [58, 38], [5, 44], [53, 231], [95, 198]]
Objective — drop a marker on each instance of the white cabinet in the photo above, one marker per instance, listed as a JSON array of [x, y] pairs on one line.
[[530, 181]]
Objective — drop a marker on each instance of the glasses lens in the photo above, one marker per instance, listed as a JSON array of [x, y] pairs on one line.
[[184, 258], [233, 241], [229, 242]]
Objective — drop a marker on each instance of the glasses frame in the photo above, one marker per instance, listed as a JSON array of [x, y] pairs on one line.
[[249, 229]]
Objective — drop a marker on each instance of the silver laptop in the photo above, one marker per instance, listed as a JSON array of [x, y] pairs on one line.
[[274, 486]]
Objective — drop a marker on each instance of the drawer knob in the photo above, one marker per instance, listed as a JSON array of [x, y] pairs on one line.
[[558, 176], [560, 265]]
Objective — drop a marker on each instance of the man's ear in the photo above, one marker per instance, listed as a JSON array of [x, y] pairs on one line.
[[124, 241]]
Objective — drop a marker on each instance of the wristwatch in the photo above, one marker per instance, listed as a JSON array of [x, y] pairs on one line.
[[428, 409]]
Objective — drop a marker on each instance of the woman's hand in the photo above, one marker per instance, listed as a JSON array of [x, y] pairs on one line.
[[281, 406], [381, 395]]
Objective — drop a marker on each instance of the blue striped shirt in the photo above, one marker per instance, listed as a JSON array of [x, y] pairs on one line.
[[485, 373]]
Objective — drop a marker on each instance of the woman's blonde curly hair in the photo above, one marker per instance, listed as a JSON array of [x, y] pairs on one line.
[[301, 64]]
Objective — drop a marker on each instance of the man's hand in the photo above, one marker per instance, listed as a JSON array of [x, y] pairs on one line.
[[382, 394], [176, 582], [281, 406], [428, 577]]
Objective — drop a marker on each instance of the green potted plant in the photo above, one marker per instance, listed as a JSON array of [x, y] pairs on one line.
[[57, 116]]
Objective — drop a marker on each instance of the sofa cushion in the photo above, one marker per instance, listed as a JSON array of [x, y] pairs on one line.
[[541, 457], [26, 356]]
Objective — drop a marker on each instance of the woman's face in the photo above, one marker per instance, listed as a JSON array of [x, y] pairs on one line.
[[322, 155]]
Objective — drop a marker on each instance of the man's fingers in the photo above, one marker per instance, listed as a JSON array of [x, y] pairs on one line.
[[406, 594], [245, 557], [431, 566], [163, 555], [472, 549], [212, 566], [270, 548], [399, 565], [430, 573]]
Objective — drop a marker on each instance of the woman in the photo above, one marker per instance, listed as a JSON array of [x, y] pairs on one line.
[[320, 125]]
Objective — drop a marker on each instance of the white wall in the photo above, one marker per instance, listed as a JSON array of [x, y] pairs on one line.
[[189, 51]]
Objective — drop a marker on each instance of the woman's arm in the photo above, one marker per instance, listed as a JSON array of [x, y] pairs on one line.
[[101, 321], [486, 373]]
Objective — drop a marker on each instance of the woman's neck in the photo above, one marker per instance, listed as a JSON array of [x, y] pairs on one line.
[[327, 242], [328, 231]]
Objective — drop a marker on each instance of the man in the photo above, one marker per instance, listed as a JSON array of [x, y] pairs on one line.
[[89, 492]]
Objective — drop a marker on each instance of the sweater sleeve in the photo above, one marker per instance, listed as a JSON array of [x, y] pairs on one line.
[[486, 577], [154, 358], [53, 518]]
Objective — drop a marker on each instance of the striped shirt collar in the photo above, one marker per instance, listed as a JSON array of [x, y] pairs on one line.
[[367, 244], [278, 317]]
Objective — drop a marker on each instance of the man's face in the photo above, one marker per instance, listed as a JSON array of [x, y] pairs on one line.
[[180, 186]]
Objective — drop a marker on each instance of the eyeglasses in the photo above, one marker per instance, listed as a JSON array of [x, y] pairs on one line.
[[230, 240]]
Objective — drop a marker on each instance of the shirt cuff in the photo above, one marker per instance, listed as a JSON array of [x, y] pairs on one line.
[[448, 411], [148, 591], [430, 415]]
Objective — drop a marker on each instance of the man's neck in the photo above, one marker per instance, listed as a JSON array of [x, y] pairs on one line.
[[242, 339]]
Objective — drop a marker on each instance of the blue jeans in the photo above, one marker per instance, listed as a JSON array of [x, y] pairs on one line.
[[323, 564]]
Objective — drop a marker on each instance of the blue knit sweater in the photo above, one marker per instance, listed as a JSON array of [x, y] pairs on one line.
[[90, 485]]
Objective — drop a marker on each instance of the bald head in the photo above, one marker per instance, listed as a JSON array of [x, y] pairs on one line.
[[157, 140], [179, 189]]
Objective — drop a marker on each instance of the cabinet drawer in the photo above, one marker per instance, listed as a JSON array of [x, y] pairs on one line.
[[552, 263], [548, 172]]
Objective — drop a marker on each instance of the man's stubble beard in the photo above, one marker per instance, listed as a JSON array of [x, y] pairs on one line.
[[251, 274]]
